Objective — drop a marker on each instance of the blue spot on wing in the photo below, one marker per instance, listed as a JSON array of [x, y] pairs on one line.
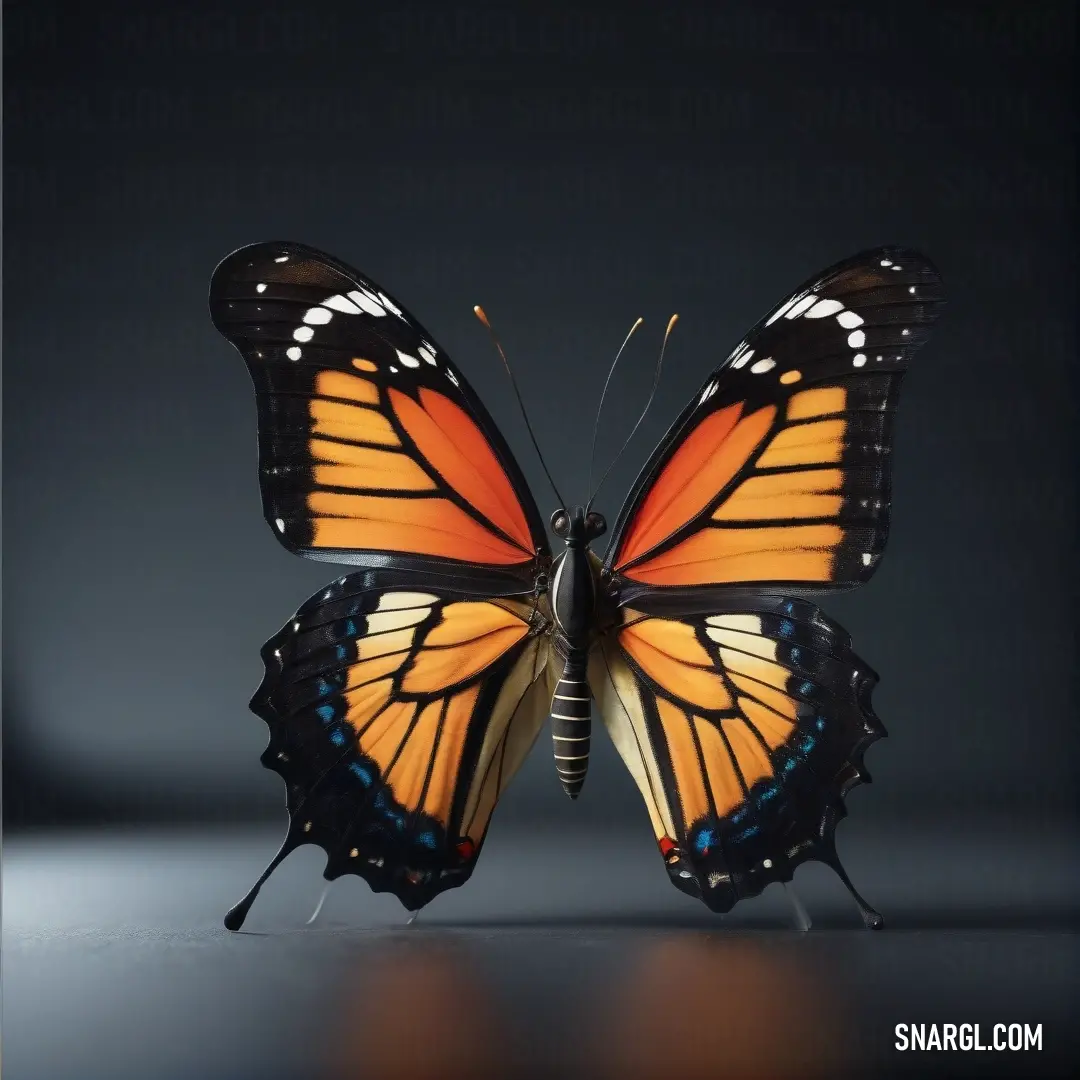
[[337, 737], [350, 628], [787, 627], [341, 652], [427, 839], [324, 688], [326, 713], [704, 840], [805, 689], [361, 773]]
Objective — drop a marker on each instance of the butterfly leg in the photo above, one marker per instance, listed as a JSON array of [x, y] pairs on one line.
[[319, 905], [412, 918], [799, 913]]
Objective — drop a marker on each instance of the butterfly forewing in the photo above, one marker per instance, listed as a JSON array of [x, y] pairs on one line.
[[778, 471], [371, 441]]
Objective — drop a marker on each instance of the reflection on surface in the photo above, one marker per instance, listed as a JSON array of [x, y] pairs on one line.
[[417, 1011], [700, 1006], [688, 1006]]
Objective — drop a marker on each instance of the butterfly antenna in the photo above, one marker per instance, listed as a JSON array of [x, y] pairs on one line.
[[521, 404], [652, 394], [603, 395]]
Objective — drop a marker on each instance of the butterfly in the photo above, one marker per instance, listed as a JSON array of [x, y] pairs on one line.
[[402, 698]]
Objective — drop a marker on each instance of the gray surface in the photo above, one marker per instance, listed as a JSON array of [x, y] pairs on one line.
[[568, 956]]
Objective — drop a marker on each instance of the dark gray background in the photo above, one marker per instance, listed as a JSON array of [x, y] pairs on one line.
[[569, 169]]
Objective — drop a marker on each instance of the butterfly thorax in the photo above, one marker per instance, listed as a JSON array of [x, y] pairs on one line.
[[573, 604]]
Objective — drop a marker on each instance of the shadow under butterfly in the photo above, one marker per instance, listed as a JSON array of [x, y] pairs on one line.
[[402, 698]]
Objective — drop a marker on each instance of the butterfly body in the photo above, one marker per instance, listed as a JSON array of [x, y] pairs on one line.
[[573, 605], [402, 698]]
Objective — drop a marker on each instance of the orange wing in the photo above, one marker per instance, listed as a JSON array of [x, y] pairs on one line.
[[778, 472], [743, 727], [398, 712], [371, 442]]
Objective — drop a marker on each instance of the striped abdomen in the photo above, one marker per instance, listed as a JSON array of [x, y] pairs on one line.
[[571, 724]]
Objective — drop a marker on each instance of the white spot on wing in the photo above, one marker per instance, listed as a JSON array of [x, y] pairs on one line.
[[823, 308], [742, 358], [294, 352], [801, 306], [886, 262], [453, 378], [303, 333], [782, 309], [340, 303], [867, 559], [367, 302], [318, 316], [282, 258], [766, 363], [262, 288], [849, 320], [382, 622], [744, 642], [393, 601], [426, 354], [407, 360], [707, 393], [856, 339], [390, 305], [859, 360], [280, 525]]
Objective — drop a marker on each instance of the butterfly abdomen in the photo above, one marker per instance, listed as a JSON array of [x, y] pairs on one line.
[[571, 724], [573, 603]]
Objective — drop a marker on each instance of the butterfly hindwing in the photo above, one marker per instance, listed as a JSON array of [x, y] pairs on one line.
[[398, 712], [778, 472], [373, 449], [743, 727]]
